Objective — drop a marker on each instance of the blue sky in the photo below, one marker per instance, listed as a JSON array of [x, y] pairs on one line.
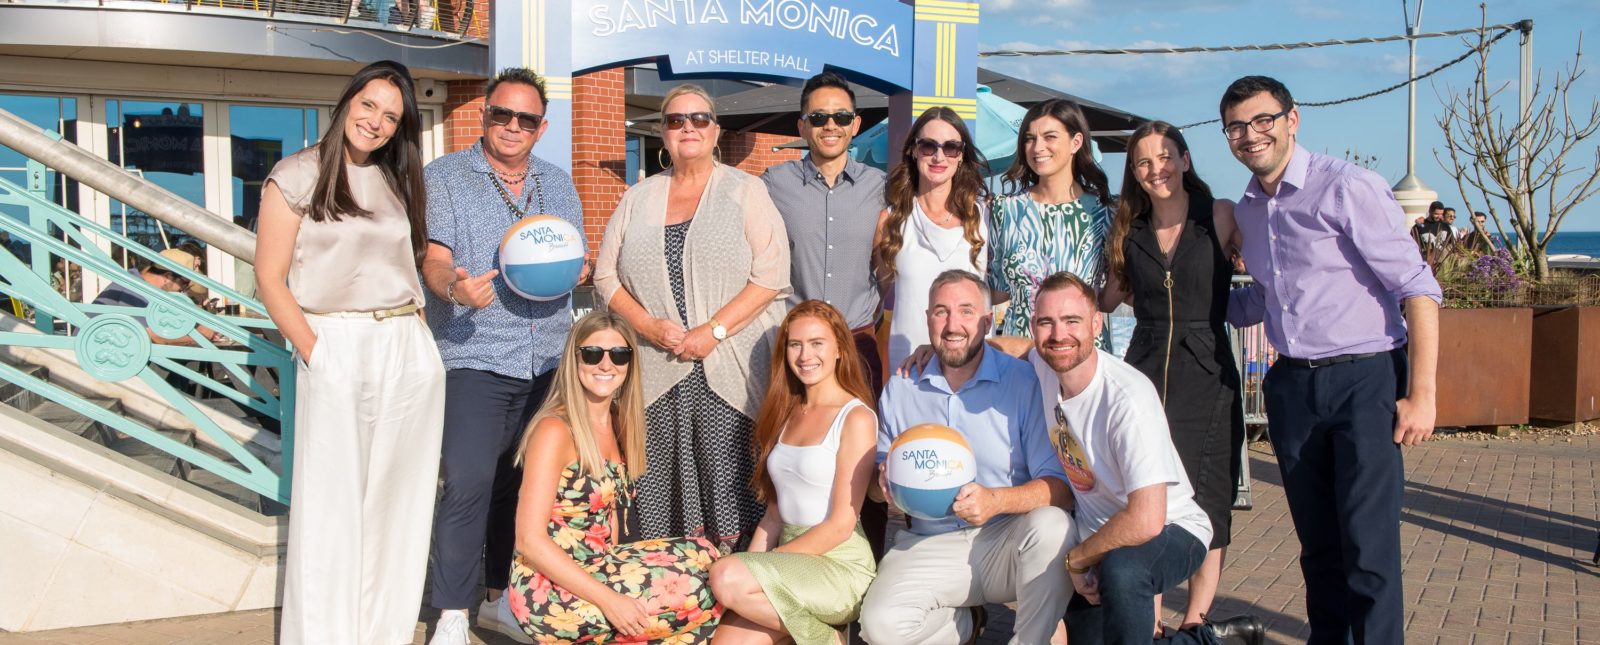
[[1185, 88]]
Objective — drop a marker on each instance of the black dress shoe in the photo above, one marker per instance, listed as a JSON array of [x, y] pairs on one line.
[[1245, 629]]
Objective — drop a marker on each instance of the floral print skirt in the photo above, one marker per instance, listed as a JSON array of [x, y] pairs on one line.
[[669, 575]]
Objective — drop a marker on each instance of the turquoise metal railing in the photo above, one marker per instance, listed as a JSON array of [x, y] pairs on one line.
[[111, 343]]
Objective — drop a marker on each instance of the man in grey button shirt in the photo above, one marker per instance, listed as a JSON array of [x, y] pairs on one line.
[[830, 205]]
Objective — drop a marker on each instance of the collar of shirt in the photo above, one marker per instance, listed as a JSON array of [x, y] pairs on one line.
[[1294, 175], [810, 173], [480, 160], [987, 371]]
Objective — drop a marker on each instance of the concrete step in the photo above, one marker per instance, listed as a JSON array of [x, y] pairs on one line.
[[65, 418], [155, 457], [14, 395], [225, 489]]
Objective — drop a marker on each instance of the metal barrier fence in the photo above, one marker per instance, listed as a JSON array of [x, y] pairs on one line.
[[1253, 355], [115, 343]]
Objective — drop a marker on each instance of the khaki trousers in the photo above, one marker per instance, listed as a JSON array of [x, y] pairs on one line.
[[368, 421], [925, 581]]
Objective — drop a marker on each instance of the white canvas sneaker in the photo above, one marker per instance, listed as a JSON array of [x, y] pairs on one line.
[[496, 615], [451, 629]]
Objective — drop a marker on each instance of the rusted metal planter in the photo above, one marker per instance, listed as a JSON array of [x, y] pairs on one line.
[[1484, 366], [1565, 386]]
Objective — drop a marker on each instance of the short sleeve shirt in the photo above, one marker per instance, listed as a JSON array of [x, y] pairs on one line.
[[513, 336]]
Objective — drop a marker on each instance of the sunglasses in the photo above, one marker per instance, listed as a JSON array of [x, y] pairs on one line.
[[591, 355], [501, 116], [841, 118], [952, 148], [675, 120]]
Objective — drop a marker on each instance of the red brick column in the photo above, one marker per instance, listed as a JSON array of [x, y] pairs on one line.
[[752, 151], [599, 148], [463, 121]]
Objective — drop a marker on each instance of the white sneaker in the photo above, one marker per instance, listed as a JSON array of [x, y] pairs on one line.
[[496, 615], [451, 629]]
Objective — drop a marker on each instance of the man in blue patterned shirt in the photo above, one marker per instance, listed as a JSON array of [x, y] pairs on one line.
[[499, 349]]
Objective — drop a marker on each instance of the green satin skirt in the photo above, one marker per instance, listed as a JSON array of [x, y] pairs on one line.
[[815, 595]]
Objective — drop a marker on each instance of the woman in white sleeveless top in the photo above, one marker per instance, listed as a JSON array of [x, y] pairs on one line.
[[809, 563], [936, 220]]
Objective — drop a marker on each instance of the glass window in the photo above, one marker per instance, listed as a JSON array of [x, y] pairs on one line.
[[261, 137], [163, 142], [55, 113]]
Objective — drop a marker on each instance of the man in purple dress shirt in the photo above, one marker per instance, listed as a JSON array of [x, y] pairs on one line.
[[1335, 269]]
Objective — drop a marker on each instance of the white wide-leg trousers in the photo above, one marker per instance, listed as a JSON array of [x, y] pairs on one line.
[[369, 418]]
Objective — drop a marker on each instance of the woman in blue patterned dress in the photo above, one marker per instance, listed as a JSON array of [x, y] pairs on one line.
[[1054, 219]]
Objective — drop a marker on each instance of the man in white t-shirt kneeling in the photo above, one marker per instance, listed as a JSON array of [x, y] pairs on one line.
[[1139, 531]]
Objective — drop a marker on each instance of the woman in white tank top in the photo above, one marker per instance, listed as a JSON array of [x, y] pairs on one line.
[[936, 220], [809, 564]]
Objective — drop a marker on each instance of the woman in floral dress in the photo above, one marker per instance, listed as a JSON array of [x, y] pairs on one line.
[[570, 580], [1055, 218]]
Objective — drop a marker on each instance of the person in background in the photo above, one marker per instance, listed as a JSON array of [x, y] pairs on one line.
[[830, 205], [343, 231], [571, 578], [1055, 218], [935, 221], [1007, 531], [1354, 312], [499, 348], [161, 278], [808, 564], [696, 258], [1168, 254]]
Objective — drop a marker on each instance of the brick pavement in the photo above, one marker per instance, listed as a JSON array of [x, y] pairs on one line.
[[1499, 535]]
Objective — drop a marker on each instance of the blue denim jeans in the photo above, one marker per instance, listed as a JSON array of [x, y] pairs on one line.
[[1130, 578]]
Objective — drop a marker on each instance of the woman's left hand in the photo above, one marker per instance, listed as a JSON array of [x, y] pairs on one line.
[[696, 345]]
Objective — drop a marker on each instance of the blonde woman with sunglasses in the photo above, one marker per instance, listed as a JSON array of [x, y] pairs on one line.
[[572, 579], [696, 258]]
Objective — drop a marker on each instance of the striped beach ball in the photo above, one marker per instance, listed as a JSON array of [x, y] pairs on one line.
[[926, 466], [541, 257]]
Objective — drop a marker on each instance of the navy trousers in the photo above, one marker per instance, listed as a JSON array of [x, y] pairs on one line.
[[475, 523], [1332, 428]]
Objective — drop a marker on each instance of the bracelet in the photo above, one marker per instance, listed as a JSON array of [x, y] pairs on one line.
[[1075, 570], [450, 293]]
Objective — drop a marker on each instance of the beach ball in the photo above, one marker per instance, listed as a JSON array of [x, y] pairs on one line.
[[926, 466], [541, 257]]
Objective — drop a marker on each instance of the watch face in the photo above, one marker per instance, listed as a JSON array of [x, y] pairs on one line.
[[719, 332]]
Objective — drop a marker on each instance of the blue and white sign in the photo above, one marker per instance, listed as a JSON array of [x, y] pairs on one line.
[[784, 38]]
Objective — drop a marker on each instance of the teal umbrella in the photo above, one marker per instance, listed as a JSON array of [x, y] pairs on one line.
[[998, 123]]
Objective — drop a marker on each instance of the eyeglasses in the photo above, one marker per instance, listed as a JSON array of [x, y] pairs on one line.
[[591, 355], [502, 116], [841, 118], [1262, 123], [952, 148], [675, 120]]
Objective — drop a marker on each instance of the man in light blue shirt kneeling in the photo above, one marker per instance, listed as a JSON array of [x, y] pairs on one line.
[[1007, 533]]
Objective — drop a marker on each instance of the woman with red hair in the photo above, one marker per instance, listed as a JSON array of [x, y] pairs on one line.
[[809, 563]]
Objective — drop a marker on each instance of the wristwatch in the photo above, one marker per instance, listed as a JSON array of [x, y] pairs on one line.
[[717, 330]]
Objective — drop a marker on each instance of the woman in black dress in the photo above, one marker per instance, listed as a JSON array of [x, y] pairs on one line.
[[1169, 253]]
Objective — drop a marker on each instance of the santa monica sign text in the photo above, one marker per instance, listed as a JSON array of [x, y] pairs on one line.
[[787, 38]]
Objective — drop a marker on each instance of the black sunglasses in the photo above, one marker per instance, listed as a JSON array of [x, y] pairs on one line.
[[841, 118], [675, 120], [952, 148], [502, 116], [591, 355]]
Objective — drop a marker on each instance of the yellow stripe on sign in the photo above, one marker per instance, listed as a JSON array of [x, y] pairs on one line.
[[942, 19], [946, 4], [941, 14], [558, 87]]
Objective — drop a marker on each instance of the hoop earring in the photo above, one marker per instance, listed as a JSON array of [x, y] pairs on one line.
[[660, 161]]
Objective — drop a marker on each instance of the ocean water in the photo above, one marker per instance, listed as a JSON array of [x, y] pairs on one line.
[[1579, 242]]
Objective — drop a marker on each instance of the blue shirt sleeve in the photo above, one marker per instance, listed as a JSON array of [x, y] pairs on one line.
[[1376, 226], [1247, 305], [885, 403], [441, 214]]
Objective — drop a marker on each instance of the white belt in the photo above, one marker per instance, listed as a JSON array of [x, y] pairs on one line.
[[375, 315]]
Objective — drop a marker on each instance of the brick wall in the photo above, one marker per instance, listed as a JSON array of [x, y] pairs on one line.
[[599, 148], [752, 152], [463, 106]]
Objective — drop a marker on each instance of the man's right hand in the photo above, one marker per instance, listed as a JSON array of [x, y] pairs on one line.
[[473, 291]]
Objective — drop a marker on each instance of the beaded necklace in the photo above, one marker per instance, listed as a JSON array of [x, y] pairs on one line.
[[527, 197]]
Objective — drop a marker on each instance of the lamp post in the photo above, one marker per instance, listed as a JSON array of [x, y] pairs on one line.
[[1413, 195]]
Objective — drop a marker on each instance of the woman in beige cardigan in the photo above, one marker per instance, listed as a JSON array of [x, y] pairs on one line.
[[696, 259]]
